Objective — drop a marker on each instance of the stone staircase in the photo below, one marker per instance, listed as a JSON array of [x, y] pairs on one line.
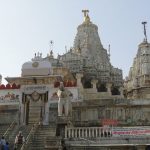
[[34, 112], [3, 128], [14, 131], [37, 141]]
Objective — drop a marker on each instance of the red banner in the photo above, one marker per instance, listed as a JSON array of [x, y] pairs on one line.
[[109, 122]]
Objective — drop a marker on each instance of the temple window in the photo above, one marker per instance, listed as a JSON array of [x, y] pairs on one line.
[[101, 88], [115, 91]]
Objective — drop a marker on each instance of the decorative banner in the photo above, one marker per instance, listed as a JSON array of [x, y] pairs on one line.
[[109, 122], [38, 88], [130, 132]]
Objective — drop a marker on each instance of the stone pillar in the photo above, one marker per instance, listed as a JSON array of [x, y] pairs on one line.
[[109, 85], [79, 76], [94, 82], [22, 109], [121, 91], [66, 107], [79, 85], [65, 131], [69, 132], [46, 115]]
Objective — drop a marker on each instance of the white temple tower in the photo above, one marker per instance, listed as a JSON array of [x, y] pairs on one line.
[[137, 83], [90, 58]]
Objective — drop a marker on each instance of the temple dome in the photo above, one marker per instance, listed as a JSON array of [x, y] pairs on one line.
[[36, 67]]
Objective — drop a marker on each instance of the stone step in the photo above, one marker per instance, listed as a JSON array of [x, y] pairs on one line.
[[37, 143]]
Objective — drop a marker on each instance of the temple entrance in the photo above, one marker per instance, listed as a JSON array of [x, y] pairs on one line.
[[34, 107], [35, 112]]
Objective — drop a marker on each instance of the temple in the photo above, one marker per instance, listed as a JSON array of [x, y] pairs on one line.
[[79, 100]]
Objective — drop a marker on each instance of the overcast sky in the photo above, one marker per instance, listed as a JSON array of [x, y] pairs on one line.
[[27, 26]]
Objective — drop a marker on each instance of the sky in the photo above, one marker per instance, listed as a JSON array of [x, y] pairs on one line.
[[28, 26]]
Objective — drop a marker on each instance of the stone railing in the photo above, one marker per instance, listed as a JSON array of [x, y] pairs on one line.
[[99, 132], [76, 137], [9, 128], [87, 132]]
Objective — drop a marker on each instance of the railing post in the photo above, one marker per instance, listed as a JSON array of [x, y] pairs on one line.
[[96, 132], [66, 131], [89, 132], [79, 132], [75, 132], [93, 132], [86, 132], [99, 130]]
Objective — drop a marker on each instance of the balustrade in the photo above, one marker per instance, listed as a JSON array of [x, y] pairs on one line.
[[87, 132]]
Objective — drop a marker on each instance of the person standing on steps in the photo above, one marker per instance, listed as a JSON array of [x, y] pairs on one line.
[[19, 140], [2, 143], [6, 146]]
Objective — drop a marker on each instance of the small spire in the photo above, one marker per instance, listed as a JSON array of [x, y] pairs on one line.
[[51, 54], [144, 25], [66, 48]]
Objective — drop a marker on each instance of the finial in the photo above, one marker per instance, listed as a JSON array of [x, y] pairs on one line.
[[51, 45], [86, 16], [144, 24], [85, 12]]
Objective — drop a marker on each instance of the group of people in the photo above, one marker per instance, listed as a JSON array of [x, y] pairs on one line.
[[4, 145], [19, 140]]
